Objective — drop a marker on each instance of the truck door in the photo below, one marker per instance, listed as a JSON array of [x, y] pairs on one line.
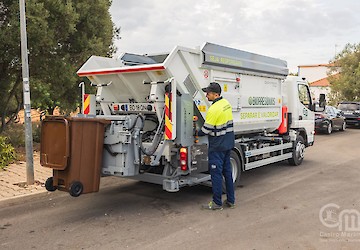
[[306, 116]]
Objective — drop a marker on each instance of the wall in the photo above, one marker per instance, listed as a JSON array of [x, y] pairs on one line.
[[313, 73]]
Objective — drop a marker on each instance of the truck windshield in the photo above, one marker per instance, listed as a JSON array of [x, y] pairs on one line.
[[349, 106]]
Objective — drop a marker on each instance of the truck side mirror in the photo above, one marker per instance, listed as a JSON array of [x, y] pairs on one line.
[[322, 101]]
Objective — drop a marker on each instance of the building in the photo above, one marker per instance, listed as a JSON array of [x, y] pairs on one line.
[[317, 76], [321, 86]]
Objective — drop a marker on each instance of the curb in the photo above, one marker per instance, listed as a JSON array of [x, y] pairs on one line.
[[13, 180]]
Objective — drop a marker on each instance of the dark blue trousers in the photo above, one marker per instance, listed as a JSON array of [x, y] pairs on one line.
[[219, 166]]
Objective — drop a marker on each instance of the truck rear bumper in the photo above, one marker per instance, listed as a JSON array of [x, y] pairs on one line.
[[174, 184]]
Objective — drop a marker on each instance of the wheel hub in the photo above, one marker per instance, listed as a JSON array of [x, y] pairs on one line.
[[234, 169], [300, 150]]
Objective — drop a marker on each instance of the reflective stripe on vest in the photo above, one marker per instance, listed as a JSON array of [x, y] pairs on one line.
[[219, 119]]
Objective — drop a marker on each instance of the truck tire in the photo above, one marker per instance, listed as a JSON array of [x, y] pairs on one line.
[[298, 151], [236, 169]]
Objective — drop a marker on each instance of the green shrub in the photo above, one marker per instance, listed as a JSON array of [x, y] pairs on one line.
[[7, 152], [15, 134]]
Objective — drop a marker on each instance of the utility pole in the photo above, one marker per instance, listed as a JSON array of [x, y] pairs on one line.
[[26, 92], [336, 45]]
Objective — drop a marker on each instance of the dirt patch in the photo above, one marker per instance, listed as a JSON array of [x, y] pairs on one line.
[[25, 185], [21, 151]]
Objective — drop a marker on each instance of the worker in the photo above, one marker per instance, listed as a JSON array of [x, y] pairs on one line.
[[218, 127]]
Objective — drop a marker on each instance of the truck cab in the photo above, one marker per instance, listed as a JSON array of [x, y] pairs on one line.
[[300, 107]]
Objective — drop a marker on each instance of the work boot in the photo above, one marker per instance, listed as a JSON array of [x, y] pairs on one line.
[[212, 206], [229, 204]]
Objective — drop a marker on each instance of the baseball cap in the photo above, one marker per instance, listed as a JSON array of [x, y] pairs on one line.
[[213, 87]]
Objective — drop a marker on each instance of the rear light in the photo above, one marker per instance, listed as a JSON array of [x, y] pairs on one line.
[[319, 116], [183, 159]]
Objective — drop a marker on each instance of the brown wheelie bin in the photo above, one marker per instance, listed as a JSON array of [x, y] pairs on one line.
[[72, 147]]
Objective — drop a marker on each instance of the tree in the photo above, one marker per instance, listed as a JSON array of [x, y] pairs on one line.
[[61, 36], [346, 84]]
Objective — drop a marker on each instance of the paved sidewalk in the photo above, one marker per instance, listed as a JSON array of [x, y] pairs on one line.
[[13, 180]]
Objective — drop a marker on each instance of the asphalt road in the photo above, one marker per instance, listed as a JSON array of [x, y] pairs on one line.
[[278, 207]]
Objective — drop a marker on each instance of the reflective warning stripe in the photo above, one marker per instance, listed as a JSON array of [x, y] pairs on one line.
[[168, 117], [86, 104], [122, 70]]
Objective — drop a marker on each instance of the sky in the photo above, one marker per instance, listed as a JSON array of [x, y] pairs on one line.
[[301, 32]]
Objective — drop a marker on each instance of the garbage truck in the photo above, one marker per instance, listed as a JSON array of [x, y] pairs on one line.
[[151, 106]]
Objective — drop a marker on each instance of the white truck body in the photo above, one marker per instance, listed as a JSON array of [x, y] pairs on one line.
[[151, 101]]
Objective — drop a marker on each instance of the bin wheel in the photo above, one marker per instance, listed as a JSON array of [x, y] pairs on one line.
[[75, 189], [49, 184]]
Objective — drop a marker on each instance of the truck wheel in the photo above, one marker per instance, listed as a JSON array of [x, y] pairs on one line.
[[329, 129], [75, 188], [49, 184], [298, 151], [235, 165]]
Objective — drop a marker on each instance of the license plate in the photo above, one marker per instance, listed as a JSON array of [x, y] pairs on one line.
[[133, 107]]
